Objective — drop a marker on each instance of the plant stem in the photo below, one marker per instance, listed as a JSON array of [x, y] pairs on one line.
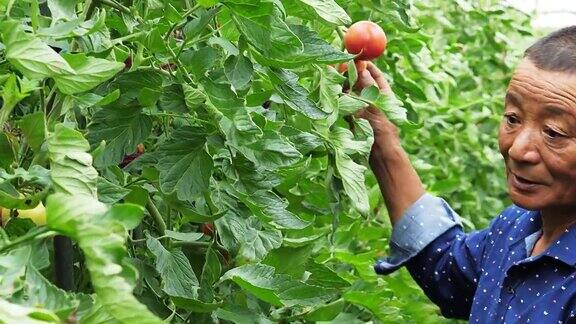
[[89, 6], [30, 236], [151, 208], [201, 244], [127, 37], [116, 5], [64, 262]]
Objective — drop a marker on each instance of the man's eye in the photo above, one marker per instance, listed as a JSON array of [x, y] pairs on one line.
[[552, 134], [511, 119]]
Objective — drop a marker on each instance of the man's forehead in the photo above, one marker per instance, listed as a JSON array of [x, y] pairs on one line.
[[554, 91], [527, 70]]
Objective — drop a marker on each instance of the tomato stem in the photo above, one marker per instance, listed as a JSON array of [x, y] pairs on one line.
[[151, 208], [39, 233]]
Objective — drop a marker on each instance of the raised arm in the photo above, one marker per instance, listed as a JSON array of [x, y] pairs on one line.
[[399, 183], [427, 236]]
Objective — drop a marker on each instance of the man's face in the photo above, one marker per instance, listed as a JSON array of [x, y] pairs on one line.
[[538, 138]]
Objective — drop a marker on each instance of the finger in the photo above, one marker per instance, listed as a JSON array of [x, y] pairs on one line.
[[364, 80], [378, 77]]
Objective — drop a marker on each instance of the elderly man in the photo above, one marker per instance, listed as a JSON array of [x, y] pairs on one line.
[[521, 269]]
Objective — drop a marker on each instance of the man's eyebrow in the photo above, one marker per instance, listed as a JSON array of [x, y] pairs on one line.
[[514, 99], [554, 110]]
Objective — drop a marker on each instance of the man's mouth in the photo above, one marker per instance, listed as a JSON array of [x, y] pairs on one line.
[[522, 183], [524, 180]]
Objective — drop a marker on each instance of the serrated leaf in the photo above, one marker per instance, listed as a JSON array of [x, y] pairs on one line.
[[279, 290], [352, 176], [40, 291], [13, 313], [330, 11], [238, 70], [62, 9], [71, 165], [31, 56], [32, 126], [123, 128], [185, 166], [293, 94], [330, 88], [89, 72], [87, 221], [109, 192], [178, 279], [184, 237], [262, 24], [247, 236]]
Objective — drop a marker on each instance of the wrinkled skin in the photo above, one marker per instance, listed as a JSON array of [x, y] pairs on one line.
[[537, 139]]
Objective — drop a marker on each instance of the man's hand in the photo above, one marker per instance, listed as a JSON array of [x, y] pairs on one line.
[[372, 76], [384, 130], [399, 182]]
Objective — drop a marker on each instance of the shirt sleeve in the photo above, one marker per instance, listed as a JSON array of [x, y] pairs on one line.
[[442, 259]]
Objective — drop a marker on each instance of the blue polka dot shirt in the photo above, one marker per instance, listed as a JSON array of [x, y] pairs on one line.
[[488, 275]]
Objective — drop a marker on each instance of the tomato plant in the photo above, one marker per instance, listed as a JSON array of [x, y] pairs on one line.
[[252, 201]]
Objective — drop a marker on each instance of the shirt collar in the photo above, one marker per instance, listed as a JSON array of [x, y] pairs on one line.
[[564, 249]]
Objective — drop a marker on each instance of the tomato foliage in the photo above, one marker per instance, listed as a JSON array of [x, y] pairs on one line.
[[252, 201]]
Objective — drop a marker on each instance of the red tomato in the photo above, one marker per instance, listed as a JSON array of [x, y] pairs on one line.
[[360, 66], [366, 39]]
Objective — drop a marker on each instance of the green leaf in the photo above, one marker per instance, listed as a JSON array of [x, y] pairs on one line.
[[13, 313], [33, 128], [271, 151], [109, 192], [40, 291], [11, 95], [330, 11], [87, 221], [31, 56], [247, 236], [389, 104], [262, 24], [293, 94], [184, 237], [90, 72], [352, 176], [7, 151], [241, 316], [330, 89], [315, 50], [185, 166], [271, 208], [178, 279], [238, 70], [326, 312], [34, 182], [173, 98], [137, 84], [62, 9], [376, 303], [123, 128], [12, 270], [71, 165], [279, 290]]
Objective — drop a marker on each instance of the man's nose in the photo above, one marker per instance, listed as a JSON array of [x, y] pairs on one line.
[[524, 147]]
